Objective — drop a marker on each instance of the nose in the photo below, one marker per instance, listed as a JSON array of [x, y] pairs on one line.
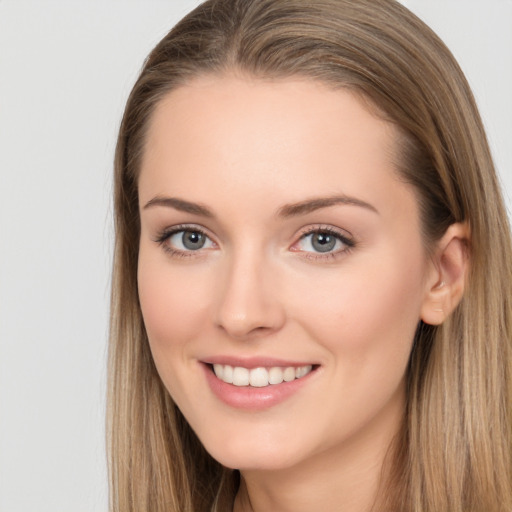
[[249, 302]]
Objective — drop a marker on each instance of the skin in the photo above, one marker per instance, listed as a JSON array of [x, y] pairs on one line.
[[244, 148]]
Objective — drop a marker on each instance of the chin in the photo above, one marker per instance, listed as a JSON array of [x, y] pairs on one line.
[[253, 461], [262, 454]]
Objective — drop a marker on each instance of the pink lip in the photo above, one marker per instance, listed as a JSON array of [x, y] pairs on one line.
[[254, 362], [249, 398]]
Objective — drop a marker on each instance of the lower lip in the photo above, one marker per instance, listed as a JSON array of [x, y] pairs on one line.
[[251, 398]]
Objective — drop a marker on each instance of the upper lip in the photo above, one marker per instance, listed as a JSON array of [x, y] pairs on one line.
[[254, 362]]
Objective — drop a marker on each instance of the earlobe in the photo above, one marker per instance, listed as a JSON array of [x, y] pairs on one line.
[[445, 287]]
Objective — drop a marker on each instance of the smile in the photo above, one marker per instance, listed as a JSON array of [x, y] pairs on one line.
[[256, 384], [259, 377]]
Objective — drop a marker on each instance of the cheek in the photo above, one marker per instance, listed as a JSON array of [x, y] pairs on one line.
[[364, 308], [172, 302]]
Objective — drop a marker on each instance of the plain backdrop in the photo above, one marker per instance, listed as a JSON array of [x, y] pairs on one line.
[[65, 71]]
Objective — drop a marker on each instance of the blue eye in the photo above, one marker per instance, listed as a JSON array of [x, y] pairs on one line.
[[184, 240], [324, 241], [187, 240]]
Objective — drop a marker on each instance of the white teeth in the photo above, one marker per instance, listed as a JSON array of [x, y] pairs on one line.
[[227, 374], [259, 377], [302, 371], [275, 375], [240, 376], [219, 370], [289, 374]]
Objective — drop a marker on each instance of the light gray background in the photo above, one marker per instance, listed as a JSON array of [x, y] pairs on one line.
[[65, 71]]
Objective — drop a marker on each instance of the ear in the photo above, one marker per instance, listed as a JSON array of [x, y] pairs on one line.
[[447, 279]]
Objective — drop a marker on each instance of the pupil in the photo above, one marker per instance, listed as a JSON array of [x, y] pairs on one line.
[[323, 242], [193, 240]]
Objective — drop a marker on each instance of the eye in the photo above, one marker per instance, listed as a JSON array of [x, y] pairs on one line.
[[324, 241], [187, 240], [181, 240]]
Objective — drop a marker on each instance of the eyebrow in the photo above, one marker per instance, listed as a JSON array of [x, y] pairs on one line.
[[289, 210], [311, 205], [180, 204]]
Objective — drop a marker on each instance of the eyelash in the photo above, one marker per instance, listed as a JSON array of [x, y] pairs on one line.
[[349, 243], [166, 234]]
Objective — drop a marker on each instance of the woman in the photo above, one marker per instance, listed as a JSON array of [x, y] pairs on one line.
[[312, 270]]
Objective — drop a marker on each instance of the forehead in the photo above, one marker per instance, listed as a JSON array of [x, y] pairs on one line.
[[281, 107], [283, 138]]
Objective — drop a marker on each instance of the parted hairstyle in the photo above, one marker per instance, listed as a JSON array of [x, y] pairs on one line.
[[453, 453]]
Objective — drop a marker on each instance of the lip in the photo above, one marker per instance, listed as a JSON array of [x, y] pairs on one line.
[[250, 398], [255, 362]]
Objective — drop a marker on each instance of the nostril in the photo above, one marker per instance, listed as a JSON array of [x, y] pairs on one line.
[[248, 307]]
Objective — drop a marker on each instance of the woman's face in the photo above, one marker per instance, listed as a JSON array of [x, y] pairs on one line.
[[279, 244]]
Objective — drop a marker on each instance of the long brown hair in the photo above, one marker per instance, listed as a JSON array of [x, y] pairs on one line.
[[454, 452]]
